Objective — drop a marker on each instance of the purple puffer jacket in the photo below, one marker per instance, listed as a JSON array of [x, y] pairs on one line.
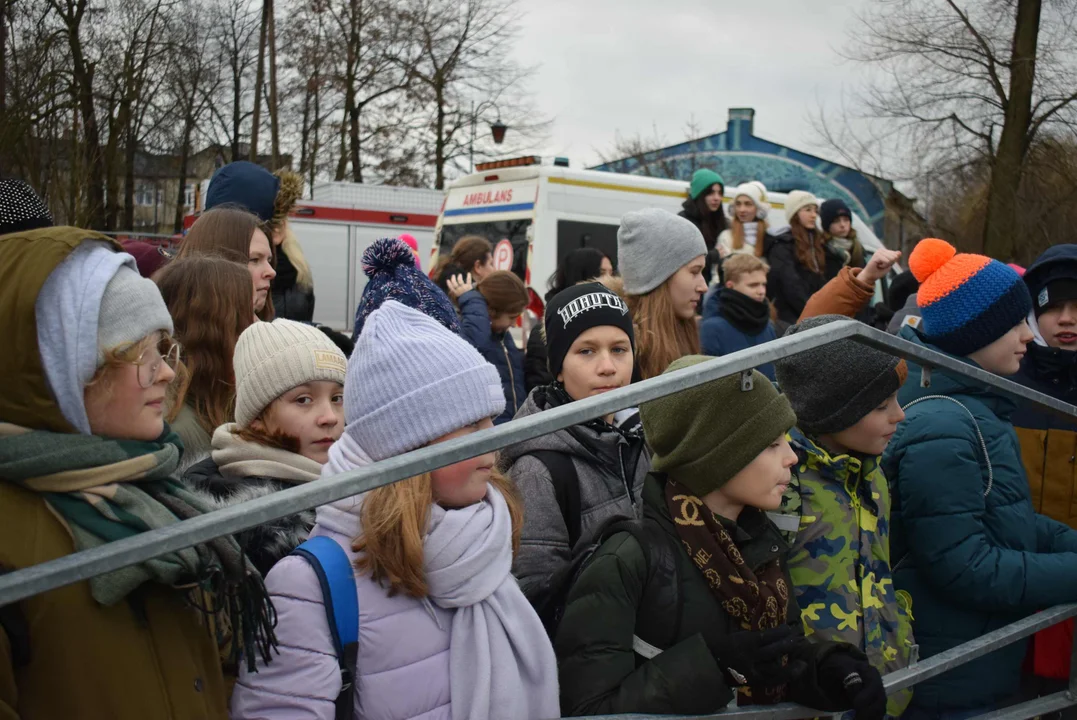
[[403, 666]]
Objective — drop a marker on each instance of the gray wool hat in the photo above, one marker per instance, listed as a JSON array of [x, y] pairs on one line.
[[832, 387], [652, 245]]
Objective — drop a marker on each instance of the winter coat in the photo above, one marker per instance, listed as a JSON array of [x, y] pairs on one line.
[[536, 360], [1048, 442], [611, 601], [718, 336], [403, 663], [789, 283], [290, 299], [836, 517], [196, 441], [264, 544], [610, 465], [844, 295], [150, 657], [497, 349], [967, 545], [854, 256], [712, 267]]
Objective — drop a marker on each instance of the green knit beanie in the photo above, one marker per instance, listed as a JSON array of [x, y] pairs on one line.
[[703, 179], [704, 436]]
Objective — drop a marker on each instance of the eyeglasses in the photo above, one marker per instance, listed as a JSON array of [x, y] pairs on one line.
[[149, 363]]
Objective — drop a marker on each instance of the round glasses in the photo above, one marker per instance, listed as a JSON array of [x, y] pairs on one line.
[[149, 363]]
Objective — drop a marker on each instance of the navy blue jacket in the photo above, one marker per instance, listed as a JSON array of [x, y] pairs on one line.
[[498, 349], [971, 562], [718, 336]]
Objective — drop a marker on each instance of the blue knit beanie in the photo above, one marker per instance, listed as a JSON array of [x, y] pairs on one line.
[[390, 266], [410, 381], [246, 185], [967, 301]]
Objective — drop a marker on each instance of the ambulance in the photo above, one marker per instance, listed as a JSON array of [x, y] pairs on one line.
[[534, 214]]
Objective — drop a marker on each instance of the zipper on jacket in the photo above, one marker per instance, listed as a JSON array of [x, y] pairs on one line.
[[624, 472], [512, 377]]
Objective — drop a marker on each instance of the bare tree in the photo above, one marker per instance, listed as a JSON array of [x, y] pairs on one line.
[[965, 84], [465, 63], [236, 26]]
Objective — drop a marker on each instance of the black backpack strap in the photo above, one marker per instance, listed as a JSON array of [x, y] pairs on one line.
[[14, 624], [566, 485]]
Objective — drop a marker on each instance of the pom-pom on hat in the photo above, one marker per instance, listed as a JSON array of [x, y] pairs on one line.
[[967, 301], [390, 266]]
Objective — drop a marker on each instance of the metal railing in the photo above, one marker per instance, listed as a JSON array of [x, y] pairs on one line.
[[76, 567]]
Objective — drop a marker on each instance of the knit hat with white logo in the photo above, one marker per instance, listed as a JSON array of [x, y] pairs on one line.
[[577, 309], [271, 358]]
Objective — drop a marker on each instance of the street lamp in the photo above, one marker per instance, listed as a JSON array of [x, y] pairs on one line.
[[497, 128]]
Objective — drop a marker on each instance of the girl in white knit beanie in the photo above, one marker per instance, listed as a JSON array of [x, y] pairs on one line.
[[289, 412]]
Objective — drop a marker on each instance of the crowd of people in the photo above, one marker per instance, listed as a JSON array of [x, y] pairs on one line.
[[791, 535]]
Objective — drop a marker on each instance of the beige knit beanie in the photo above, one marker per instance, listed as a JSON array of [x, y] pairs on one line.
[[271, 358]]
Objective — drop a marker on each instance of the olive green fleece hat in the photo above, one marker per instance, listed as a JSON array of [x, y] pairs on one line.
[[704, 436]]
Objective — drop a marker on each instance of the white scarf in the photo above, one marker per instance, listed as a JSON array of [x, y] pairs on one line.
[[501, 663], [235, 457], [750, 231]]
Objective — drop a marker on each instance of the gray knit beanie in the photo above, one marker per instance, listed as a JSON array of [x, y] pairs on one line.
[[832, 387], [652, 245], [131, 309], [411, 381], [271, 358]]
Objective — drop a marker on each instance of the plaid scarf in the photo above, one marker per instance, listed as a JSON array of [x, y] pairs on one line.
[[756, 602], [105, 490]]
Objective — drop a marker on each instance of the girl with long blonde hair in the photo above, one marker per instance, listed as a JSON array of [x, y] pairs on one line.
[[440, 613], [662, 257], [747, 231]]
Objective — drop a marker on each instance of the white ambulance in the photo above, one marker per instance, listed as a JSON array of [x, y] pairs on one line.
[[535, 214]]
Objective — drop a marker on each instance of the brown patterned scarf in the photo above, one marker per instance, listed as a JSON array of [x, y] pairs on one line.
[[757, 602]]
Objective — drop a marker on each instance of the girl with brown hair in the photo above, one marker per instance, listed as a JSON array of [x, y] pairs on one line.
[[800, 261], [471, 254], [210, 301], [239, 236], [289, 411], [487, 310], [441, 613], [661, 257]]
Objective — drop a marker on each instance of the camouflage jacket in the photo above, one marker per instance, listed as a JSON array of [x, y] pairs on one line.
[[836, 516]]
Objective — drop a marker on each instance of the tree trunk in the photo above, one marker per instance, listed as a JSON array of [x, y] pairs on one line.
[[260, 79], [439, 143], [274, 111], [3, 55], [237, 106], [185, 158], [342, 163], [1000, 230], [304, 130], [317, 131], [353, 132], [129, 176], [95, 163]]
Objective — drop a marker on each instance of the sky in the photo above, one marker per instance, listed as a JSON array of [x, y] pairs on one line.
[[633, 66]]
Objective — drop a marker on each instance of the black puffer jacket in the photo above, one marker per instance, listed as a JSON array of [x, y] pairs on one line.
[[676, 613], [264, 544], [536, 360], [290, 300], [790, 283], [719, 223]]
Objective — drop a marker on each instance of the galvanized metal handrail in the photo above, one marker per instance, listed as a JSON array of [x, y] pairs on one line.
[[112, 556], [79, 566]]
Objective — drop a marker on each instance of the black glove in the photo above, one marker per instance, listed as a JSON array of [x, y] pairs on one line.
[[845, 675], [756, 658]]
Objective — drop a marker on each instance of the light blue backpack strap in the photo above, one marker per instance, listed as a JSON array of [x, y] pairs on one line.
[[337, 578]]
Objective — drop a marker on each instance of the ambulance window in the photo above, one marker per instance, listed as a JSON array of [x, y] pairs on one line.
[[572, 235]]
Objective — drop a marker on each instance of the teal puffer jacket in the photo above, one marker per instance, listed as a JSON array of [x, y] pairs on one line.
[[965, 541]]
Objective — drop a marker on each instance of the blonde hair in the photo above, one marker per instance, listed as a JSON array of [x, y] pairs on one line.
[[394, 519], [129, 354], [289, 245], [736, 266], [662, 336]]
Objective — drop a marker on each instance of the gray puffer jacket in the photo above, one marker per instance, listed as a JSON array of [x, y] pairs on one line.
[[611, 465]]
